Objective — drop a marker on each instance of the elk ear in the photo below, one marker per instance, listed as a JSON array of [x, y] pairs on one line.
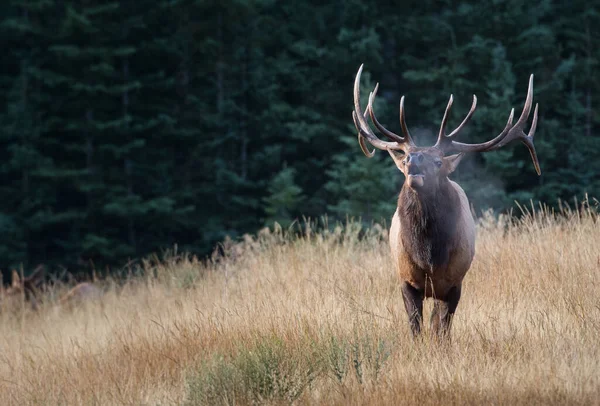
[[397, 158], [37, 276], [451, 162], [16, 281]]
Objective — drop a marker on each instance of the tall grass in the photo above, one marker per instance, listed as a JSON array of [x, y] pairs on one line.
[[317, 318]]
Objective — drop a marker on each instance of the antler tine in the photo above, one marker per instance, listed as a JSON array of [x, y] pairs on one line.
[[529, 142], [442, 133], [392, 136], [403, 123], [510, 133], [443, 139], [454, 133], [361, 139], [373, 140], [528, 102], [362, 126], [364, 148]]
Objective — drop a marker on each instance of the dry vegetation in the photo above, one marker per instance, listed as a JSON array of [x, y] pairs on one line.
[[318, 319]]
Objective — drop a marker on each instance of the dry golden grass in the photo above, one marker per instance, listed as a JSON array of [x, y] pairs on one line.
[[319, 319]]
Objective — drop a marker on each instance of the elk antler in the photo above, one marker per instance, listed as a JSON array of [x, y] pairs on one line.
[[365, 132], [445, 142], [511, 132]]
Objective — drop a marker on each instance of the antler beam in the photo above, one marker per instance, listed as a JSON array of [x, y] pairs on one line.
[[365, 132]]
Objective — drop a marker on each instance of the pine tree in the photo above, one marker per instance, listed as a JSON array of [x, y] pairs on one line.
[[25, 195], [284, 198], [127, 127]]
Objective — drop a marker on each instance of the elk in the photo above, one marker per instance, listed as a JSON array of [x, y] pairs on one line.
[[432, 234], [26, 290]]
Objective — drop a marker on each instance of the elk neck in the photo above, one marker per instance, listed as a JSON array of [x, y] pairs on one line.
[[428, 224]]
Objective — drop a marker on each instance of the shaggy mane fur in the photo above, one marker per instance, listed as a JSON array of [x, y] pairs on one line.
[[428, 225]]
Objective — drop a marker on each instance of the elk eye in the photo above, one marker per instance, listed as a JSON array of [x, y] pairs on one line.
[[438, 163]]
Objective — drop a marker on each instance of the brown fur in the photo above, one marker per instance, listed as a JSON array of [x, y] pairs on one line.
[[433, 241], [80, 292], [427, 226], [23, 288]]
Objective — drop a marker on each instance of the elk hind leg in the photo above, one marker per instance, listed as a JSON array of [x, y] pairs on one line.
[[413, 303], [443, 312]]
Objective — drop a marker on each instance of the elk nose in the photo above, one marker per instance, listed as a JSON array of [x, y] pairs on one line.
[[414, 158]]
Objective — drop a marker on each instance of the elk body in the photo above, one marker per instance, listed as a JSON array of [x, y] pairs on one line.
[[432, 235], [81, 292]]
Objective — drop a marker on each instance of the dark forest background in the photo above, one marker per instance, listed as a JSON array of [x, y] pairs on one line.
[[129, 126]]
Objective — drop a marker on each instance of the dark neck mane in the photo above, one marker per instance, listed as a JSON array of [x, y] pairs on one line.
[[428, 224]]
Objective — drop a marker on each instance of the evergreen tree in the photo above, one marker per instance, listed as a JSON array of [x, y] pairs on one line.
[[127, 127], [284, 198]]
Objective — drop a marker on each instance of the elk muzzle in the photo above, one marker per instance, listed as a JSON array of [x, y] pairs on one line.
[[414, 174]]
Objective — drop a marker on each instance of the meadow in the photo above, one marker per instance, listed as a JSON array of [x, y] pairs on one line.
[[317, 317]]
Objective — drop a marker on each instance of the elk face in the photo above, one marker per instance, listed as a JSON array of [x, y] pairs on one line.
[[25, 287], [424, 168]]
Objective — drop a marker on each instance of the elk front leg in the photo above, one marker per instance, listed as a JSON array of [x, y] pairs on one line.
[[413, 302], [443, 311]]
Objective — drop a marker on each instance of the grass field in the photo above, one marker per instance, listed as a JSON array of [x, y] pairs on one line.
[[319, 319]]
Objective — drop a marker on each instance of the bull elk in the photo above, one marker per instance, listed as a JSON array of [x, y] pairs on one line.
[[432, 235]]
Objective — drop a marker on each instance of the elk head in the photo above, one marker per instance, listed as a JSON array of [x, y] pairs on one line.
[[425, 167], [26, 287]]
